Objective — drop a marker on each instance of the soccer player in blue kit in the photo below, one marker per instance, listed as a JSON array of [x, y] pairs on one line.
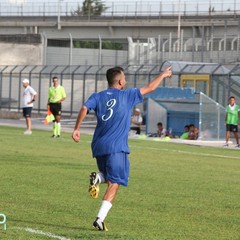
[[113, 108]]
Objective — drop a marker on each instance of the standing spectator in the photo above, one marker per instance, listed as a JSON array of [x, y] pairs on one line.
[[110, 141], [161, 132], [136, 121], [56, 95], [231, 120], [29, 97]]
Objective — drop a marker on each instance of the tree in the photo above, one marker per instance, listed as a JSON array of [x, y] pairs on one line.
[[90, 7], [77, 12], [107, 44]]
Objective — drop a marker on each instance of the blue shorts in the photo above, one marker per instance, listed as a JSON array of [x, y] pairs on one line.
[[115, 167]]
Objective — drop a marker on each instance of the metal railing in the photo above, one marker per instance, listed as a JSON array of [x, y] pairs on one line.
[[123, 8], [81, 81]]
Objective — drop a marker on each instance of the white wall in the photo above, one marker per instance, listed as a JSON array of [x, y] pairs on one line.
[[20, 54], [82, 56]]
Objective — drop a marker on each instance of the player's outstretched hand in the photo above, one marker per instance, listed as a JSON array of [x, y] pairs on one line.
[[76, 136], [167, 72]]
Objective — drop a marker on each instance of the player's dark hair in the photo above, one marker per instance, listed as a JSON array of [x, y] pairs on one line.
[[112, 74], [231, 97], [55, 77]]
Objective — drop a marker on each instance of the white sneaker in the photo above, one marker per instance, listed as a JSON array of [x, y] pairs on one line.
[[27, 132]]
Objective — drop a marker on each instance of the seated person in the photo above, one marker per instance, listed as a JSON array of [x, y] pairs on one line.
[[191, 132], [167, 137], [161, 132], [136, 121], [196, 131], [186, 132]]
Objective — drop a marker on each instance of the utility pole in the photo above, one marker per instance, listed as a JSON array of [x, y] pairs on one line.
[[179, 25], [59, 15]]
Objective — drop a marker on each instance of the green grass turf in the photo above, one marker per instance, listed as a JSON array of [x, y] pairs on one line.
[[175, 191]]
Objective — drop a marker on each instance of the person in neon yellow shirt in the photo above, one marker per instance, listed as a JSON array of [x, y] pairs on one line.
[[56, 95], [186, 132], [231, 120]]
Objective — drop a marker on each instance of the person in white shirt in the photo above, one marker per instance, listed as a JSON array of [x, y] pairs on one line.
[[161, 132], [136, 121], [29, 97]]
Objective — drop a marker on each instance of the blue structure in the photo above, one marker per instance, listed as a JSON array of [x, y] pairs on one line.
[[172, 93], [175, 107]]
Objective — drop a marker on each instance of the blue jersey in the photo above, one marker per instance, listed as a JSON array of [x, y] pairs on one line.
[[113, 110]]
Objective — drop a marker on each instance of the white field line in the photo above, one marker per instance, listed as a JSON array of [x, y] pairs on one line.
[[48, 234], [191, 153]]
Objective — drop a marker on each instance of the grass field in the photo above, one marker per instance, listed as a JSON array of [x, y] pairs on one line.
[[175, 191]]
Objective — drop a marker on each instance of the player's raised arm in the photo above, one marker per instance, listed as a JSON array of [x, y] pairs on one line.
[[82, 114], [156, 81]]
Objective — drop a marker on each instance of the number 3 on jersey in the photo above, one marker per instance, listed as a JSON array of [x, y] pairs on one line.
[[110, 104]]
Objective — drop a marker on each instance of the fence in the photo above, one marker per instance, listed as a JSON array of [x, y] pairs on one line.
[[208, 48], [122, 8], [82, 80]]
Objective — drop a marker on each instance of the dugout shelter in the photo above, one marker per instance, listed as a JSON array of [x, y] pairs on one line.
[[177, 107]]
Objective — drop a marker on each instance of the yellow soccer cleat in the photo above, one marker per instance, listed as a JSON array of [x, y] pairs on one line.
[[94, 185]]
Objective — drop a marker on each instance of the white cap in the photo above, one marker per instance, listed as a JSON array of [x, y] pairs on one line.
[[137, 110], [25, 80]]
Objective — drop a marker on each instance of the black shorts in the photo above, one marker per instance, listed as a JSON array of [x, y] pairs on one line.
[[137, 129], [27, 111], [231, 128], [56, 108]]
